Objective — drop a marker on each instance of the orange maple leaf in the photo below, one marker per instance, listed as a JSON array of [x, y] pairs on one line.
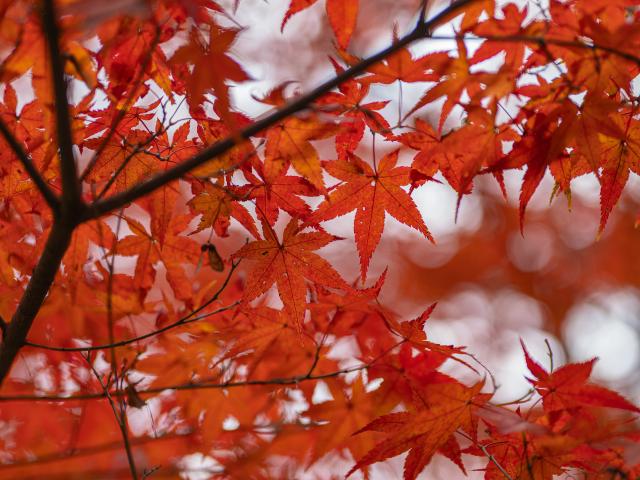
[[217, 207], [274, 193], [371, 192], [289, 144], [163, 242], [425, 432], [287, 264], [567, 387], [342, 14], [205, 54]]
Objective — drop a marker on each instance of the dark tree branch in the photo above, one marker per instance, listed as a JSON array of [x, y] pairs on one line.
[[70, 184], [119, 200], [29, 166], [34, 295]]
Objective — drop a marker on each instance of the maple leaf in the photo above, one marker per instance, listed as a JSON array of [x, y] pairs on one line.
[[164, 242], [267, 342], [295, 6], [567, 387], [123, 162], [347, 102], [343, 15], [289, 144], [371, 192], [99, 122], [457, 78], [413, 331], [424, 432], [217, 207], [344, 415], [273, 193], [401, 66], [511, 24], [552, 130], [339, 308], [621, 156], [211, 131], [287, 264], [202, 54], [408, 377], [473, 12]]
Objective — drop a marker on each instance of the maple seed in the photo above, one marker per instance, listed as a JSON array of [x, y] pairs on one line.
[[215, 260]]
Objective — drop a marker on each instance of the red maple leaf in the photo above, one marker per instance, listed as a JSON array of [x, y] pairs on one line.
[[371, 192], [287, 264]]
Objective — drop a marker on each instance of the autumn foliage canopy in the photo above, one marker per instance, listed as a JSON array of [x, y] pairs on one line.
[[179, 298]]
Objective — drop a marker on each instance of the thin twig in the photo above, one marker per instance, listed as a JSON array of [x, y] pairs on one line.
[[283, 381], [493, 460], [542, 41], [183, 321], [120, 419]]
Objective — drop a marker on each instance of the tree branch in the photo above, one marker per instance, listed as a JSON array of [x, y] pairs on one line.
[[543, 41], [186, 320], [119, 200], [34, 294], [29, 166], [70, 185], [284, 381]]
